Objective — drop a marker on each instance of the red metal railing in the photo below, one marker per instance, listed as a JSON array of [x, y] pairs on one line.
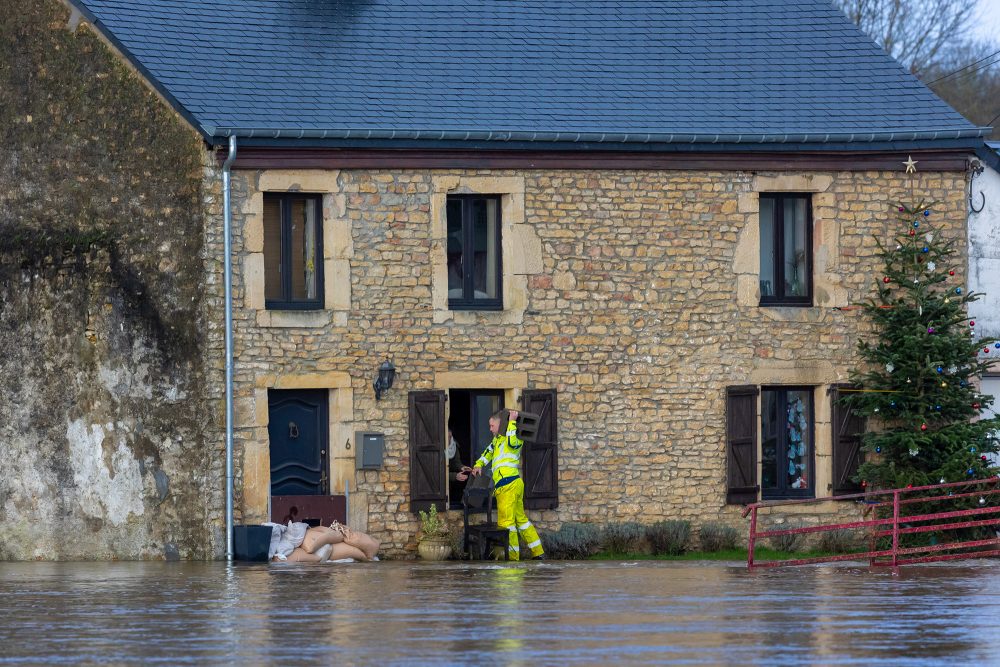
[[896, 525]]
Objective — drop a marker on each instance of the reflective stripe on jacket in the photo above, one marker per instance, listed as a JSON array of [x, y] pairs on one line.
[[504, 453]]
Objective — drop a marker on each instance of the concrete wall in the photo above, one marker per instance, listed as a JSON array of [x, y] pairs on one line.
[[631, 292], [104, 428], [984, 253]]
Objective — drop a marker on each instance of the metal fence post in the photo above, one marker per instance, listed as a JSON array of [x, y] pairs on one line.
[[895, 527]]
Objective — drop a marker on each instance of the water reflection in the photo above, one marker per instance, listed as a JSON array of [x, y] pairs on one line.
[[497, 614]]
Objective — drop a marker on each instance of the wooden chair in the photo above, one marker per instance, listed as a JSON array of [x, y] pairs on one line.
[[480, 538]]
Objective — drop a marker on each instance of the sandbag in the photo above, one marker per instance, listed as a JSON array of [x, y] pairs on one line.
[[300, 555], [320, 535], [367, 544], [345, 550]]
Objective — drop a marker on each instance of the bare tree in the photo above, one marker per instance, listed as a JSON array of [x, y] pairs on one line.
[[917, 33]]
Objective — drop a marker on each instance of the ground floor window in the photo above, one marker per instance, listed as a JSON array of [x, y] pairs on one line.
[[787, 455]]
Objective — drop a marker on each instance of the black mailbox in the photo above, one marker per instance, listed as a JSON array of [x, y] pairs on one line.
[[370, 448]]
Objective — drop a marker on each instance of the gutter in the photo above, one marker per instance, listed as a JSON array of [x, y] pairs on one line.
[[227, 225], [600, 137]]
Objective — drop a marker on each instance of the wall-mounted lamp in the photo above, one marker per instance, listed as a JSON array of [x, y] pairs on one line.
[[386, 374]]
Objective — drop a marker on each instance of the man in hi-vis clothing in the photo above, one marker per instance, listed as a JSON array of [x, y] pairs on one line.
[[504, 453]]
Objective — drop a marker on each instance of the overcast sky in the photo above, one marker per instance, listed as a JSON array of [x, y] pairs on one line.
[[988, 25]]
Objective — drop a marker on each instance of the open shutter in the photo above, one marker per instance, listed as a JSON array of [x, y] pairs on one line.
[[427, 464], [848, 427], [741, 445], [540, 463]]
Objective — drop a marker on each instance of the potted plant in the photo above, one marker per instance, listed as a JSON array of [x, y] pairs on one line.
[[434, 542]]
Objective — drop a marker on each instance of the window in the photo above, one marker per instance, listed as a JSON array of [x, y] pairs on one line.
[[785, 250], [787, 442], [293, 253], [474, 266]]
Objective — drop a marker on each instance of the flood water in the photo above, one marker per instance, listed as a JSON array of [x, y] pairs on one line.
[[549, 613]]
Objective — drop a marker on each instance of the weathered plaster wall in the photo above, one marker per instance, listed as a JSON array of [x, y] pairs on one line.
[[636, 306], [103, 423], [984, 253]]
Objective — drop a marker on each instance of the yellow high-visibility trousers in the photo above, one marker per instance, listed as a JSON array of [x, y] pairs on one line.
[[510, 515]]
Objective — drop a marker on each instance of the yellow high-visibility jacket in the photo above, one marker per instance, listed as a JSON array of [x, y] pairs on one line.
[[504, 453]]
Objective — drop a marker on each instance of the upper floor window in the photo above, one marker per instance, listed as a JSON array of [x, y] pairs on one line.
[[786, 442], [474, 266], [785, 250], [293, 253]]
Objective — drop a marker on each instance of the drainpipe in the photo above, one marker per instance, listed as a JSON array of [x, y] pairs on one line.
[[227, 225]]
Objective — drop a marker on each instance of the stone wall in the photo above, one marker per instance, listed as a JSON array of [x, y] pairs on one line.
[[104, 429], [638, 304]]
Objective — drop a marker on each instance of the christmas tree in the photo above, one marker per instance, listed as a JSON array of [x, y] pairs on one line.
[[917, 387]]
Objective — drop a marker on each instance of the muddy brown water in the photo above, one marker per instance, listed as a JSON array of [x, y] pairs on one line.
[[550, 613]]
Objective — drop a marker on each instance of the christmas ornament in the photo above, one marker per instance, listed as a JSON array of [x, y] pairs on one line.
[[952, 369], [972, 323], [982, 501], [875, 410], [958, 290], [975, 406], [912, 233], [940, 369], [907, 380], [951, 273], [923, 427], [941, 481], [962, 383], [972, 450], [986, 350], [925, 249], [983, 457], [929, 237], [889, 367], [927, 212], [916, 282], [931, 266], [892, 404], [878, 450], [914, 451], [970, 472], [901, 209], [909, 486], [937, 407], [996, 345], [886, 280], [944, 384], [916, 224], [930, 330], [863, 484]]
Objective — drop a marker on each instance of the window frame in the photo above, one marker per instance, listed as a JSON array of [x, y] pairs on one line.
[[782, 491], [779, 298], [468, 240], [286, 302]]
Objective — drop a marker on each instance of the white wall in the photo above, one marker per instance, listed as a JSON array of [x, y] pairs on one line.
[[984, 253]]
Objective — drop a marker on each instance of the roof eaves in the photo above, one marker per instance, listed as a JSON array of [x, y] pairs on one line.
[[502, 136]]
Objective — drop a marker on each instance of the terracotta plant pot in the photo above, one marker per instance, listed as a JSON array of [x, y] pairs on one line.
[[434, 548]]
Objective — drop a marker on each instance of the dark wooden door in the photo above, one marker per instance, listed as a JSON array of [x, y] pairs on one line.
[[298, 432]]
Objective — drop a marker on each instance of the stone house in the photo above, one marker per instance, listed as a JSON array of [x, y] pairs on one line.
[[646, 223]]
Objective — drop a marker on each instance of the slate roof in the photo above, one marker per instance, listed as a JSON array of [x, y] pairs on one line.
[[670, 71]]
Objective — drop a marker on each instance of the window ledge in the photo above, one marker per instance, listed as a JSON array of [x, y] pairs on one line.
[[294, 319]]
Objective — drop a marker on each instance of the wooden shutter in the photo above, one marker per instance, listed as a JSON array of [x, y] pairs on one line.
[[540, 461], [427, 465], [848, 427], [741, 445]]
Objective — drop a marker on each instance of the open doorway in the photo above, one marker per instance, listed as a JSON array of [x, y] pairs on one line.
[[469, 417]]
